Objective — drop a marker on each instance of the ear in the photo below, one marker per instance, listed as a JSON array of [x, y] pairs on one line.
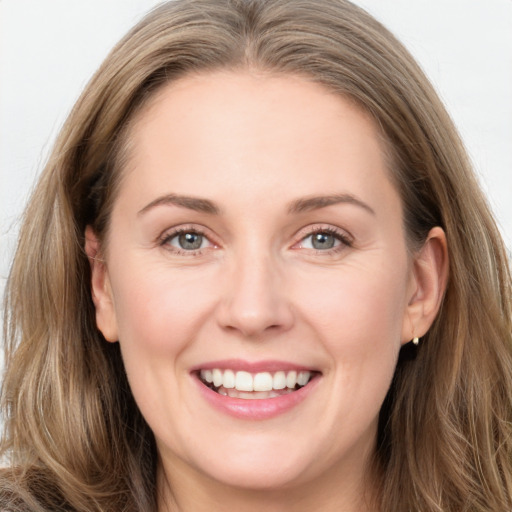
[[100, 288], [428, 279]]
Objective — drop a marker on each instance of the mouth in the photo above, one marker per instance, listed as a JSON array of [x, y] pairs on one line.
[[254, 386]]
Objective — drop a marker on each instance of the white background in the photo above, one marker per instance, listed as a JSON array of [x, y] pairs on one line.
[[50, 48]]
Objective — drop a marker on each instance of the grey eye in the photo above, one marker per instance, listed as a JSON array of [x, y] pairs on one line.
[[189, 241], [322, 241]]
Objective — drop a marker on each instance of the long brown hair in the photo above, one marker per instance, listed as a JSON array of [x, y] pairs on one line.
[[73, 434]]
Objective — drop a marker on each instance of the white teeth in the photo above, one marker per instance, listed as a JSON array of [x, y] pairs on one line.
[[217, 377], [258, 382], [291, 379], [244, 381], [229, 379], [252, 395], [303, 378], [279, 380], [262, 382]]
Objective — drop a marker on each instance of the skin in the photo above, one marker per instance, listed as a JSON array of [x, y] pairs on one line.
[[258, 289]]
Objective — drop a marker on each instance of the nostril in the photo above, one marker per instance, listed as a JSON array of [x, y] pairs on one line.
[[252, 300], [252, 323]]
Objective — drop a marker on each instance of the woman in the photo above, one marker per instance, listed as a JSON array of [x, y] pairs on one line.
[[258, 272]]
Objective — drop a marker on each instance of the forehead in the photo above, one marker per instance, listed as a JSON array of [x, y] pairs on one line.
[[238, 131]]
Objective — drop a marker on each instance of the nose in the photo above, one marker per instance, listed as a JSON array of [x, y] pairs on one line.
[[254, 301]]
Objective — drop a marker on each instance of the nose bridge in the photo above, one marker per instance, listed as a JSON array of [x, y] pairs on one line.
[[254, 298]]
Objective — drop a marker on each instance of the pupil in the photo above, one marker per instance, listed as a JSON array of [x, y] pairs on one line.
[[323, 241], [190, 241]]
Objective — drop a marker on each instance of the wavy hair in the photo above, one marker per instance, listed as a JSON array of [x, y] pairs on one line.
[[73, 434]]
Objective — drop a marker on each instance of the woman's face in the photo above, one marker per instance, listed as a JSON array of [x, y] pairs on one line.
[[257, 241]]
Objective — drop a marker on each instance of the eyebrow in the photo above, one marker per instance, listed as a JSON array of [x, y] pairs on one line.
[[301, 205], [192, 203], [316, 202]]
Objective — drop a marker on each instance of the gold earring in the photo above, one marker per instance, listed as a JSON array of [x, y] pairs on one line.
[[416, 341]]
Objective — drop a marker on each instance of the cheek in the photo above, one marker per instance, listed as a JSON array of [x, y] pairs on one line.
[[358, 316], [158, 311], [356, 305]]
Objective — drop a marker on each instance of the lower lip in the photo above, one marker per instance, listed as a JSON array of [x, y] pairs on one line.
[[256, 409]]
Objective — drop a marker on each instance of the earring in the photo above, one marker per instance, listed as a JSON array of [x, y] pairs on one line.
[[416, 341]]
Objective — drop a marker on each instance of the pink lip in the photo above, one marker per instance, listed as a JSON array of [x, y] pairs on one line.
[[258, 409], [251, 367]]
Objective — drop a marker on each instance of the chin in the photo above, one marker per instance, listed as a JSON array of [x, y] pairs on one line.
[[258, 477]]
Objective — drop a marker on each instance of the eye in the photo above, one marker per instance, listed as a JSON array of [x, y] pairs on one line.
[[186, 240], [320, 241], [325, 240]]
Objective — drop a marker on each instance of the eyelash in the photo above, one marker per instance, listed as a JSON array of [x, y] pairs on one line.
[[168, 236], [342, 237]]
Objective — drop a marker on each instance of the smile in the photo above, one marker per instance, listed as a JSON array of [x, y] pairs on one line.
[[257, 390], [261, 385]]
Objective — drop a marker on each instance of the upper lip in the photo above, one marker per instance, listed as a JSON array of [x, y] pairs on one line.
[[252, 366]]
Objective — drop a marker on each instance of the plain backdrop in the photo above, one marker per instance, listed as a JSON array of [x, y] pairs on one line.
[[50, 48]]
